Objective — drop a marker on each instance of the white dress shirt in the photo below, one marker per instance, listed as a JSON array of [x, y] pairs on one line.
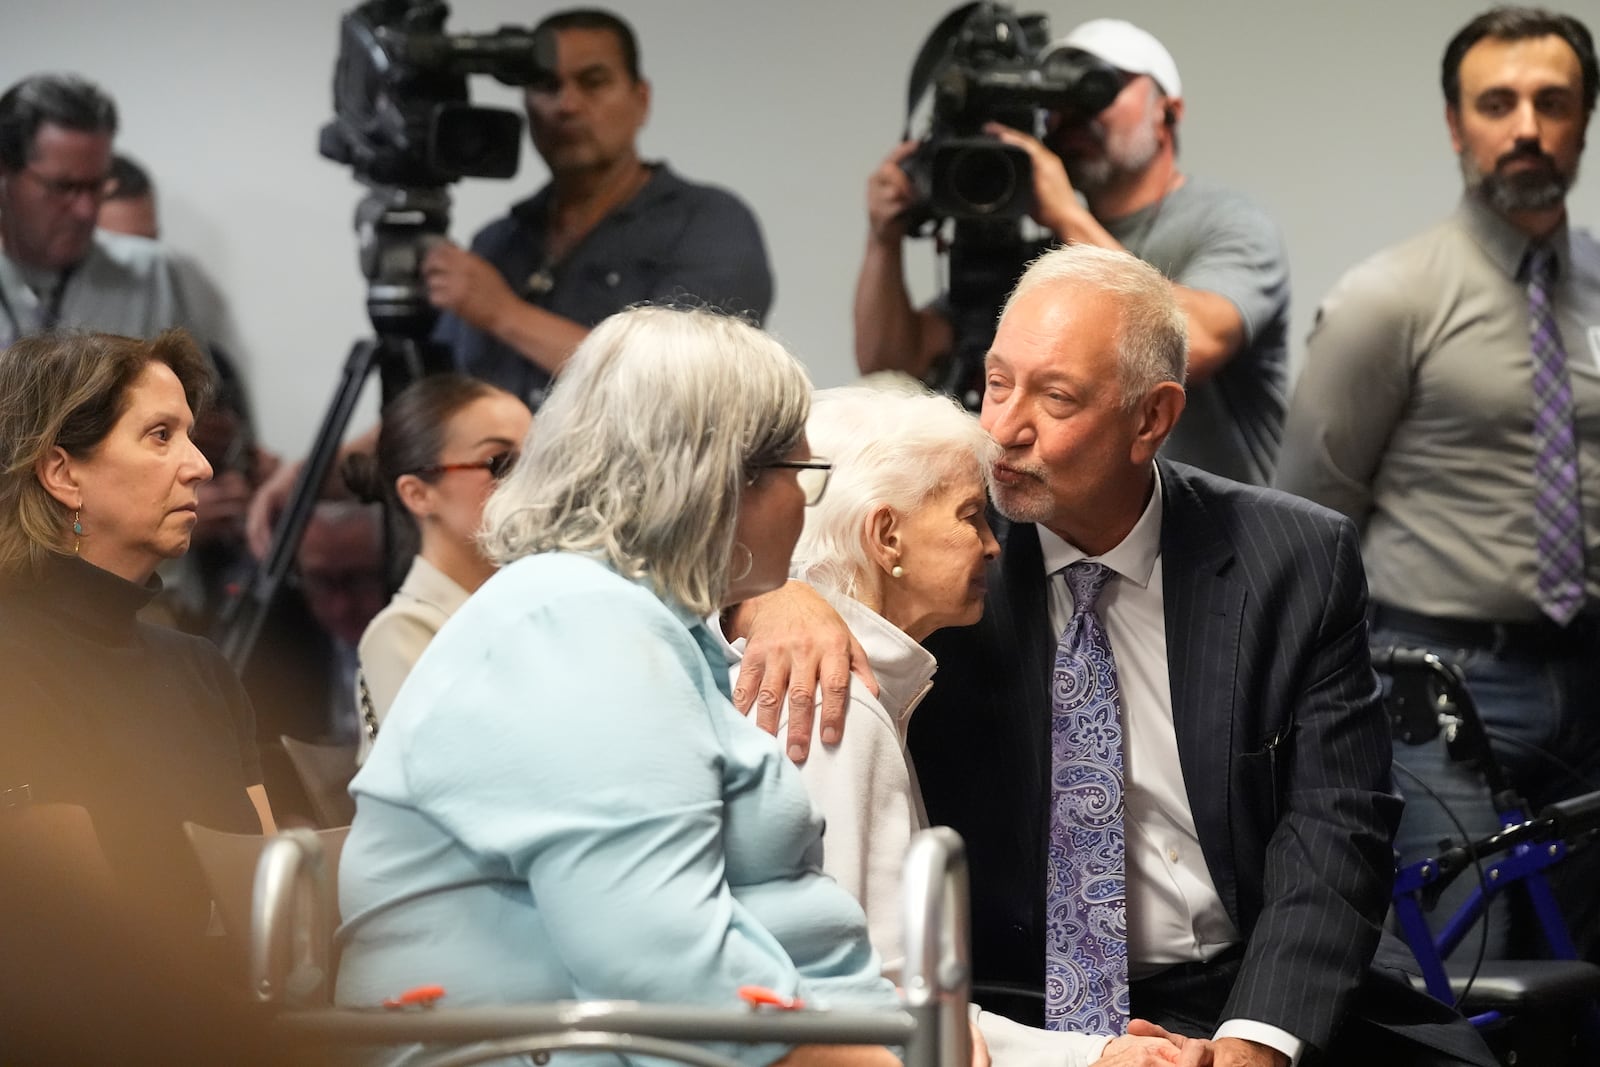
[[1175, 914]]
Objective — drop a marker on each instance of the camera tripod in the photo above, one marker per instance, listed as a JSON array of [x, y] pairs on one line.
[[985, 259], [396, 226]]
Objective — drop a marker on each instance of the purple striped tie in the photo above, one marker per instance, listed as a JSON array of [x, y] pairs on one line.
[[1557, 520], [1086, 919]]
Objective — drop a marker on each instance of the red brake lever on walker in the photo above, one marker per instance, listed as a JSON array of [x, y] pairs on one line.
[[759, 997]]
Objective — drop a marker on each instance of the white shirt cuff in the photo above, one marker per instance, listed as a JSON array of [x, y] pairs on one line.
[[1263, 1034]]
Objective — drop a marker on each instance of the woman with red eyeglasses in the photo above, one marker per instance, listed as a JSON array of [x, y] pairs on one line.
[[445, 441]]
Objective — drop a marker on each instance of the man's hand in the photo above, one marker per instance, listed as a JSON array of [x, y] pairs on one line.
[[1237, 1052], [223, 504], [270, 498], [793, 639], [466, 284], [1137, 1052], [980, 1047], [889, 194], [263, 465], [1149, 1044], [1055, 202]]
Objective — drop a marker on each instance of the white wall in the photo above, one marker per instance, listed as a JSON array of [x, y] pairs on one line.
[[1328, 113]]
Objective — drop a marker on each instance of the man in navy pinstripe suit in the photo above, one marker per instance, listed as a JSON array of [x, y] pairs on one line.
[[1258, 803], [1258, 808]]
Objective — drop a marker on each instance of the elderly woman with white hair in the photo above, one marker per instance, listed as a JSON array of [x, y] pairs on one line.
[[900, 548], [563, 803]]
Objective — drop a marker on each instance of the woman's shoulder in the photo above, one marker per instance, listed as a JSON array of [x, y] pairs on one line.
[[198, 658], [868, 723], [401, 624], [408, 611], [428, 590], [178, 645], [565, 584]]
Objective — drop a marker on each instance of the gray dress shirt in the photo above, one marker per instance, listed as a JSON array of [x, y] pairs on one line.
[[125, 285], [1414, 414]]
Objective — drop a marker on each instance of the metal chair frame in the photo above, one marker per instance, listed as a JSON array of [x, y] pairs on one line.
[[291, 970]]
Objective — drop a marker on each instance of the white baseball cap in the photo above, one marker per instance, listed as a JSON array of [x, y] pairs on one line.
[[1126, 47]]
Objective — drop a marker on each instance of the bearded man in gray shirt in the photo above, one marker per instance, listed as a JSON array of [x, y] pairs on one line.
[[1450, 405]]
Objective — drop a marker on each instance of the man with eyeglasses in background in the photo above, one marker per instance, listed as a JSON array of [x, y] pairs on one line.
[[56, 269]]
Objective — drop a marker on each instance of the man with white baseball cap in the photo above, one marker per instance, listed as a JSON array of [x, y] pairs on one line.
[[1223, 255], [1126, 47]]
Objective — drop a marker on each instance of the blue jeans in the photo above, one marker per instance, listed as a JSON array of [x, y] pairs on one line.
[[1540, 714]]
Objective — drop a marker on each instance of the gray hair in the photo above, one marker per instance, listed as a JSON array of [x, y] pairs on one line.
[[1153, 341], [889, 444], [639, 456], [64, 100]]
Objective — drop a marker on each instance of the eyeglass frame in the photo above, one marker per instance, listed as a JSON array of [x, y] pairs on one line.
[[504, 460], [67, 190], [823, 465]]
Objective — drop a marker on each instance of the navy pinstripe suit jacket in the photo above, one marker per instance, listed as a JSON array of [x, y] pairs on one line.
[[1281, 734]]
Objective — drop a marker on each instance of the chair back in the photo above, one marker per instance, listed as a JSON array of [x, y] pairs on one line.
[[229, 863], [325, 772]]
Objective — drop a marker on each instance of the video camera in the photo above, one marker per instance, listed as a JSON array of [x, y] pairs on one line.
[[402, 112], [403, 121], [405, 124], [985, 63]]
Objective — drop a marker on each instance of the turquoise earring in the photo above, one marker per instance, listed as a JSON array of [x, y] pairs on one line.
[[77, 532]]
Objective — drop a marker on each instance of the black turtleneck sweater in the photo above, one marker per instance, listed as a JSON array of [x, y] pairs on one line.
[[144, 726]]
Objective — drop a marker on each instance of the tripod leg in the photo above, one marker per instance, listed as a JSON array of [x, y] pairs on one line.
[[243, 617]]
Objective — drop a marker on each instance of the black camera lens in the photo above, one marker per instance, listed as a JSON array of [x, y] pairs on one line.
[[982, 178], [976, 178]]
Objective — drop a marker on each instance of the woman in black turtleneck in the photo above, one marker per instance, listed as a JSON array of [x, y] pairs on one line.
[[143, 726]]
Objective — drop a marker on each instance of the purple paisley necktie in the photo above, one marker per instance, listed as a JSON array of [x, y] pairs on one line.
[[1557, 519], [1086, 923]]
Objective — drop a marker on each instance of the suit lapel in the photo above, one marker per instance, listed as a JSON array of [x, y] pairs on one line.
[[1023, 600], [1204, 611]]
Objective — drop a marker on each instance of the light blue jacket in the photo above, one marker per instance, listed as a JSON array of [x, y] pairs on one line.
[[564, 804]]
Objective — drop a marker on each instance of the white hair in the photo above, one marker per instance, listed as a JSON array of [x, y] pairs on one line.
[[638, 457], [1153, 338], [894, 444]]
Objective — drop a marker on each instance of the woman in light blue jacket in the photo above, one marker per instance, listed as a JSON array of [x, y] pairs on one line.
[[562, 802]]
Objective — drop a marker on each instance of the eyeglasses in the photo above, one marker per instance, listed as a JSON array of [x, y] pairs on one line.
[[498, 465], [812, 474], [67, 189]]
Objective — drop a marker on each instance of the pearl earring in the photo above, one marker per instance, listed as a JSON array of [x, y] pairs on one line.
[[897, 571]]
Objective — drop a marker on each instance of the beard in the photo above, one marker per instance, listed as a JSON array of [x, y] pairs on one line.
[[1123, 153], [1089, 175], [1537, 188]]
